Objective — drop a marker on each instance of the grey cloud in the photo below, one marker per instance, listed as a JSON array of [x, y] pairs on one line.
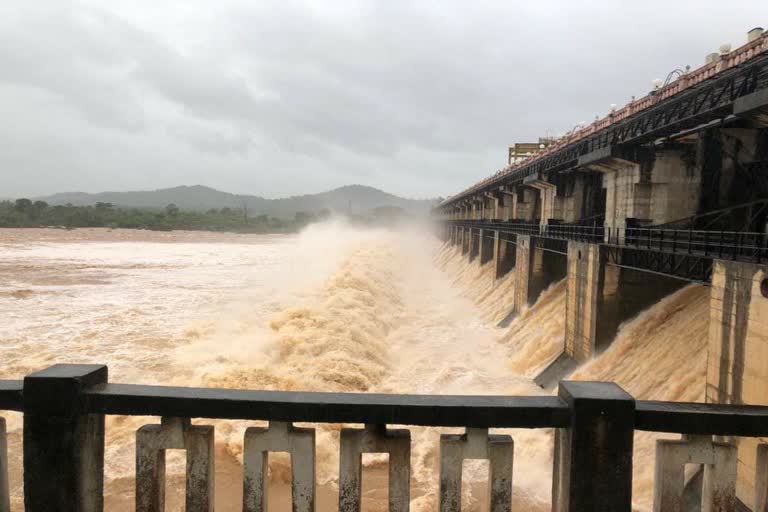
[[284, 97]]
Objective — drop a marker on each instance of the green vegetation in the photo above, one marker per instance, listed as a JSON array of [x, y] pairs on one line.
[[24, 213]]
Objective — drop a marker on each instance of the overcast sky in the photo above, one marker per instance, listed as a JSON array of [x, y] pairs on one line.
[[287, 97]]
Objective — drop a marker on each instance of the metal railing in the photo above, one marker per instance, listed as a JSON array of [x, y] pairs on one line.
[[735, 245], [64, 410]]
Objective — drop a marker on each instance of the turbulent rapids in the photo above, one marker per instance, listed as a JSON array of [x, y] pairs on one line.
[[335, 308]]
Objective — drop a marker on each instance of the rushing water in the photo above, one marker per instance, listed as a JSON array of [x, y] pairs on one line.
[[335, 308]]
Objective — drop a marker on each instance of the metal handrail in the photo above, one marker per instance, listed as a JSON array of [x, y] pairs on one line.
[[750, 245]]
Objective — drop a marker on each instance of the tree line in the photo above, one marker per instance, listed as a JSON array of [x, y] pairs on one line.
[[24, 212]]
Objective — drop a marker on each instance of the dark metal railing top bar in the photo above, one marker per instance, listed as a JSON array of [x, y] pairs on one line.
[[737, 245], [374, 408], [313, 407], [64, 410]]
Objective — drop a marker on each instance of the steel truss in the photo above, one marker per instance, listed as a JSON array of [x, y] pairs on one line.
[[699, 104]]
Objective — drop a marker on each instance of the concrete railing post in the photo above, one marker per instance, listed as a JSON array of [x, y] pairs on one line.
[[63, 446], [593, 457], [374, 439]]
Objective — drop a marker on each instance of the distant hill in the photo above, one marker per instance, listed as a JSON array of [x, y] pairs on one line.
[[356, 199]]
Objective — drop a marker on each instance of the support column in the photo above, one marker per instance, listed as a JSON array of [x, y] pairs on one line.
[[465, 239], [550, 206], [508, 198], [487, 242], [737, 359], [583, 295], [583, 197], [523, 204], [504, 253], [474, 244], [524, 262]]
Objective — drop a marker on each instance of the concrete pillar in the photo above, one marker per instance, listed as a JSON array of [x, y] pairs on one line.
[[374, 439], [504, 253], [497, 205], [654, 188], [582, 196], [550, 206], [625, 197], [487, 241], [535, 270], [278, 437], [476, 444], [474, 243], [176, 434], [593, 457], [738, 324], [466, 238], [507, 204], [525, 204], [63, 447], [525, 251], [737, 359], [761, 479], [583, 296], [675, 186]]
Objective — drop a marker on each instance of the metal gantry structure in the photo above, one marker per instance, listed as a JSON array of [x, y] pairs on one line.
[[712, 101], [730, 92]]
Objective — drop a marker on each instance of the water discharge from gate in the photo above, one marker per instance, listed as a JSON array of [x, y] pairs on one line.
[[335, 308]]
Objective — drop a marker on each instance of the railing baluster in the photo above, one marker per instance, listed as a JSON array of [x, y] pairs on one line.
[[476, 444], [374, 439], [174, 434], [719, 460], [278, 437]]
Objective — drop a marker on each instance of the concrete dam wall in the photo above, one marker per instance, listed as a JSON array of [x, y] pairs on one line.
[[666, 340]]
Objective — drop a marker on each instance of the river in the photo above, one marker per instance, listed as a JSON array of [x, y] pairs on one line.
[[334, 308]]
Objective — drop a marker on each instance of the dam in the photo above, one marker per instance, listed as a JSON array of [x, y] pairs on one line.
[[642, 263], [665, 191]]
